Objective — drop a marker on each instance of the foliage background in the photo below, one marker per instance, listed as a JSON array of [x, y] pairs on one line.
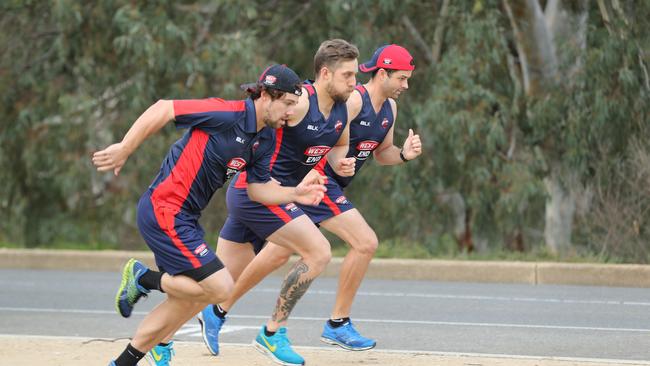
[[74, 75]]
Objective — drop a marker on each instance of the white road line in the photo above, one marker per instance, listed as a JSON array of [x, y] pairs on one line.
[[470, 297], [336, 349], [194, 330], [362, 320]]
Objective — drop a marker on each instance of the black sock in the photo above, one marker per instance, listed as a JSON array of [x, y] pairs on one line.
[[129, 357], [268, 333], [163, 344], [218, 311], [335, 323], [151, 280]]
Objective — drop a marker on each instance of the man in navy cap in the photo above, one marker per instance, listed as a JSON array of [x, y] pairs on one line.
[[223, 138]]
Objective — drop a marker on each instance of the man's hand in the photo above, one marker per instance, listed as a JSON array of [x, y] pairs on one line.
[[111, 158], [345, 167], [412, 147], [309, 193], [314, 177]]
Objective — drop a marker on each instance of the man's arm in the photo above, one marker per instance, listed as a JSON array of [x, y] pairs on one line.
[[272, 193], [345, 166], [151, 121], [389, 154]]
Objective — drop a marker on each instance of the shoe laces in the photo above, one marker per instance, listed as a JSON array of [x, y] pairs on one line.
[[351, 330], [281, 339]]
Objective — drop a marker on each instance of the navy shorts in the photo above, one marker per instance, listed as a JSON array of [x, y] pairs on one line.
[[333, 204], [250, 221], [176, 240]]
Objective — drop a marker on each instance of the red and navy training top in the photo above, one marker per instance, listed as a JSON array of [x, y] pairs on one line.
[[222, 140], [299, 148], [367, 131]]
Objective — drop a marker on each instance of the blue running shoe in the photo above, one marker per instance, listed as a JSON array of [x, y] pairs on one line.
[[278, 348], [160, 355], [112, 363], [130, 290], [210, 327], [347, 337]]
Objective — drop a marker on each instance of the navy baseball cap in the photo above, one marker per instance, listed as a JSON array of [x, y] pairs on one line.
[[391, 57], [278, 77]]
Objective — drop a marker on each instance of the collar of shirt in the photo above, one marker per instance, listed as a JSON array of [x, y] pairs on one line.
[[250, 125]]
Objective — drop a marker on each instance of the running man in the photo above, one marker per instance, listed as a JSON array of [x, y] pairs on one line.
[[224, 137], [318, 128], [373, 111]]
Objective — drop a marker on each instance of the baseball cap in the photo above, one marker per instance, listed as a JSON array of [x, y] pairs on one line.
[[392, 57], [278, 77]]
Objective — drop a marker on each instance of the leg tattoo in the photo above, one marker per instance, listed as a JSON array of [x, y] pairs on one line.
[[295, 285]]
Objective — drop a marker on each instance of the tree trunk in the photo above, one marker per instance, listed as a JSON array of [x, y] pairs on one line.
[[550, 48], [560, 209]]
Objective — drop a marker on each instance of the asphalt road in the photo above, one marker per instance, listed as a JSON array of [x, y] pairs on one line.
[[442, 317]]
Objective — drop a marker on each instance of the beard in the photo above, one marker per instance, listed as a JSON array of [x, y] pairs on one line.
[[337, 96]]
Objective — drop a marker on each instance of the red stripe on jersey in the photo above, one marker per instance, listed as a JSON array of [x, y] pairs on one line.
[[279, 212], [278, 143], [191, 106], [173, 191], [241, 180], [328, 201], [165, 218], [320, 167], [361, 89], [310, 89]]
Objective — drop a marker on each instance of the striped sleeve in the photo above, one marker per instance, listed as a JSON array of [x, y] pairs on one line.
[[211, 115]]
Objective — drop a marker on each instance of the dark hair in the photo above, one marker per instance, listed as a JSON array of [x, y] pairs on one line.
[[333, 51], [256, 92], [389, 72]]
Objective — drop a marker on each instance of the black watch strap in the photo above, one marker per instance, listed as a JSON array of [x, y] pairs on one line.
[[401, 155]]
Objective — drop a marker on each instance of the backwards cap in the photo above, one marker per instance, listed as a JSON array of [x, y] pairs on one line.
[[278, 77], [391, 57]]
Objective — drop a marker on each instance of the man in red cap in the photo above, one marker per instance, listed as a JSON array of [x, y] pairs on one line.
[[372, 110]]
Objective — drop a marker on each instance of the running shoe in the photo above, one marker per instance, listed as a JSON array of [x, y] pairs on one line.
[[210, 327], [160, 355], [130, 290], [278, 348], [346, 336]]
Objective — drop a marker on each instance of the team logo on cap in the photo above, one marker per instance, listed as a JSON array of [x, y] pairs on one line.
[[338, 126], [270, 79], [385, 123], [387, 61]]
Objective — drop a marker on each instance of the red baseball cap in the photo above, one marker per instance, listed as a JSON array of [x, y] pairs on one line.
[[392, 57]]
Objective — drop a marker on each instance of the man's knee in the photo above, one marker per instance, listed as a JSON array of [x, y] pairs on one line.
[[219, 288], [321, 253], [367, 244]]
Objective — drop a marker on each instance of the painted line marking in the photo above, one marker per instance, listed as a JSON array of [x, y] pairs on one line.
[[361, 320]]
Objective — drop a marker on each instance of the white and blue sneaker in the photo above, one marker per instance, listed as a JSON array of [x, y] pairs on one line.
[[278, 348], [210, 327], [160, 355], [346, 336], [130, 290]]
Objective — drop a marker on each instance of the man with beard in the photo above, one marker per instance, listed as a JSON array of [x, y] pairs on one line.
[[373, 111], [223, 137], [318, 128]]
